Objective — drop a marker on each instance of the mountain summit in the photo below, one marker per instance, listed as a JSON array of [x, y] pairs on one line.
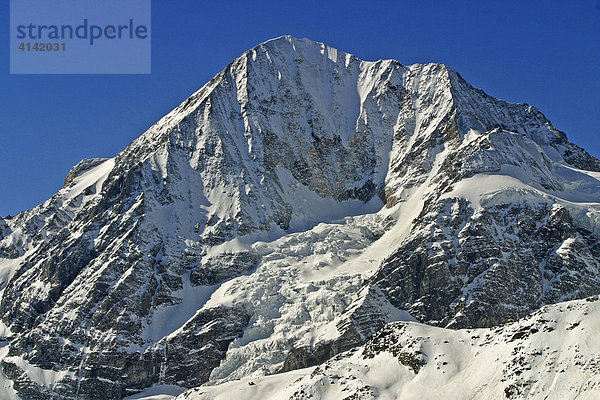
[[298, 204]]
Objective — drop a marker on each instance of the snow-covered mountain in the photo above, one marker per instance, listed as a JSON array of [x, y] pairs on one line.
[[550, 354], [296, 205]]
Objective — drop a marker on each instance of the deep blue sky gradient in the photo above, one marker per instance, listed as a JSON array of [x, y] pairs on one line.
[[545, 53]]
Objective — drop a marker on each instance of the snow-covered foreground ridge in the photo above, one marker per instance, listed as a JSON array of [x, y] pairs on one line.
[[292, 208], [551, 354]]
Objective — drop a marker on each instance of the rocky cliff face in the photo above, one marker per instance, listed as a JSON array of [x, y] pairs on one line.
[[464, 268], [293, 206]]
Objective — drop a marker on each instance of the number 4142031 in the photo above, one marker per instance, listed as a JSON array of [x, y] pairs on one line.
[[38, 46]]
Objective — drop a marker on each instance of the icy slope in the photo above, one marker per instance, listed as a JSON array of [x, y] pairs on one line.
[[283, 214], [551, 354]]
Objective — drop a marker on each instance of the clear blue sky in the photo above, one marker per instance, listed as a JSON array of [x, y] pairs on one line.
[[545, 53]]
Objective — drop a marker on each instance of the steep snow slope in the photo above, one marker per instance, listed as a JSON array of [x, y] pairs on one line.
[[284, 213], [551, 354]]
